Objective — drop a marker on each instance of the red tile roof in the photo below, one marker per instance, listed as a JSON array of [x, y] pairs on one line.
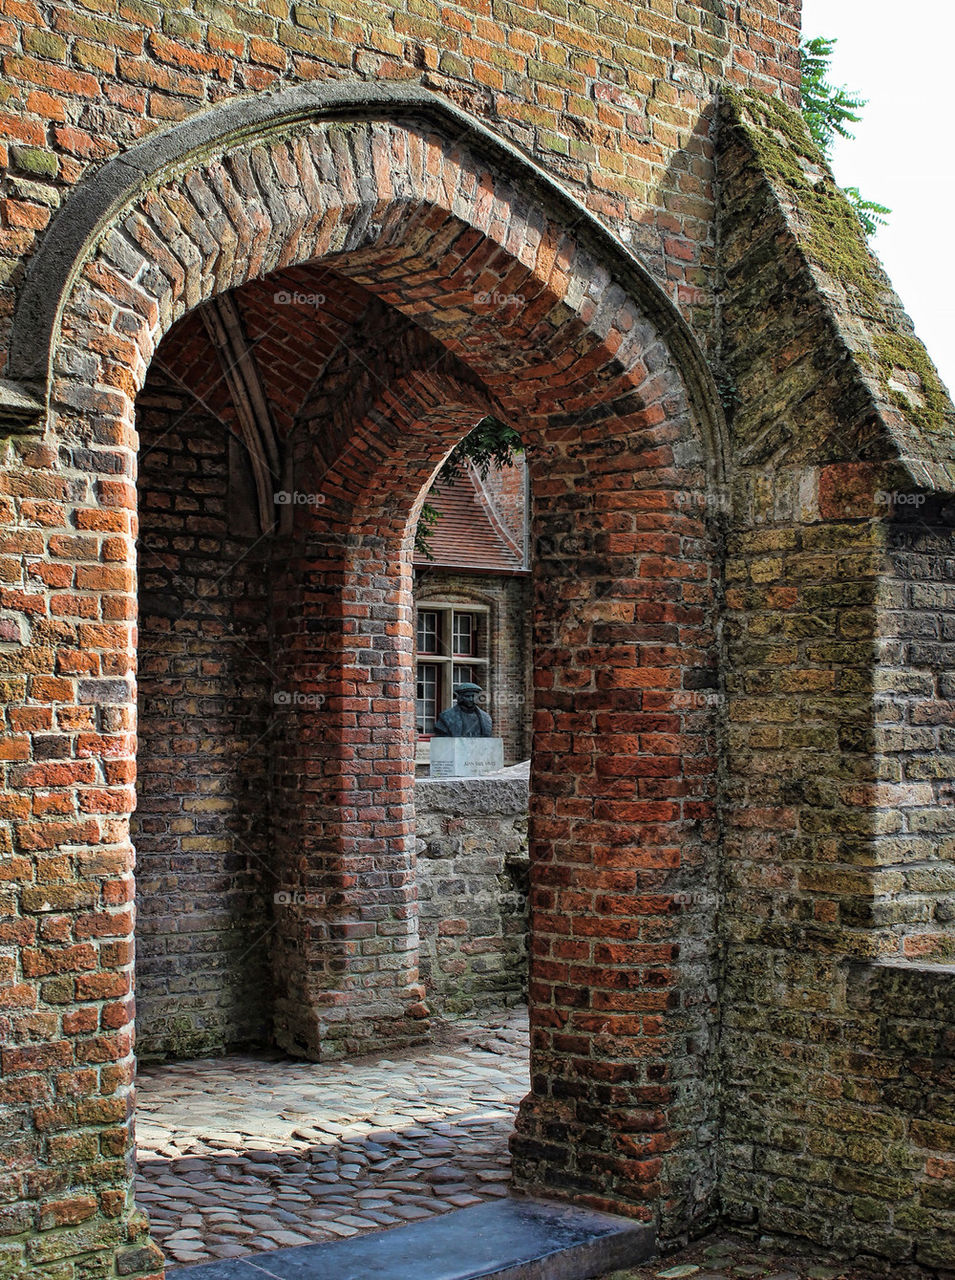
[[468, 535]]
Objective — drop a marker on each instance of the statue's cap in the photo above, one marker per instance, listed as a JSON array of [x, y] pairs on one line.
[[468, 687]]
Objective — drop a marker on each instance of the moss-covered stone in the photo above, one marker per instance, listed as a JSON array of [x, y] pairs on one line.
[[903, 353], [36, 161], [831, 237]]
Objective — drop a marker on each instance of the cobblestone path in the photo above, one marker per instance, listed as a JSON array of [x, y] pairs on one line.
[[256, 1152]]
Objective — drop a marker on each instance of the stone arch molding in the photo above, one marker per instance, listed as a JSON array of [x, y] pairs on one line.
[[85, 229]]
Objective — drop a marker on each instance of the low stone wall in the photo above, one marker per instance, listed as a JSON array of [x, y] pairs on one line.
[[472, 890]]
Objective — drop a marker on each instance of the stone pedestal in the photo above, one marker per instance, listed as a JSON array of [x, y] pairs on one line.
[[466, 757]]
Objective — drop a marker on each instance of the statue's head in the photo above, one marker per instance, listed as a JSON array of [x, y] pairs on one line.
[[466, 695]]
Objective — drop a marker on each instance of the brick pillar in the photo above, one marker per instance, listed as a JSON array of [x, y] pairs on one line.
[[623, 834], [345, 947]]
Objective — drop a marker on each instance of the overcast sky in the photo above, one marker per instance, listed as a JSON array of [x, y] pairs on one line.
[[899, 57]]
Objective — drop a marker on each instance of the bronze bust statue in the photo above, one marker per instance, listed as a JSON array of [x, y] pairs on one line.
[[465, 719]]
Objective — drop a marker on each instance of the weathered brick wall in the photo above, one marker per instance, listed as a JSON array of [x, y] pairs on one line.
[[204, 886], [915, 725], [509, 601], [899, 1114], [830, 400], [616, 439], [800, 869], [622, 907], [835, 814], [615, 100], [472, 891]]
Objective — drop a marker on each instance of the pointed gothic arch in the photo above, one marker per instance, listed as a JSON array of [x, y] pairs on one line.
[[560, 329]]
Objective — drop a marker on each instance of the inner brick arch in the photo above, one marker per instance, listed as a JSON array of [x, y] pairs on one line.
[[594, 377], [370, 439]]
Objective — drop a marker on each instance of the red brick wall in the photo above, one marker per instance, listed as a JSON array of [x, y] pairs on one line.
[[623, 635], [615, 101], [494, 293], [606, 389]]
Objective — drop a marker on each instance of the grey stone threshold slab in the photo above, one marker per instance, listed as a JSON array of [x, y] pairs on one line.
[[512, 1239]]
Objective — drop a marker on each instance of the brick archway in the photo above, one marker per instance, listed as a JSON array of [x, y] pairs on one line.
[[371, 435], [555, 327]]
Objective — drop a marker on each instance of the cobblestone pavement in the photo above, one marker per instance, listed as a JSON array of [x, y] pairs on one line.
[[256, 1152], [724, 1256]]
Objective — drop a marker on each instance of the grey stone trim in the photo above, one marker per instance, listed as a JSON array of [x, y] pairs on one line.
[[98, 199], [472, 797], [19, 411], [517, 1238]]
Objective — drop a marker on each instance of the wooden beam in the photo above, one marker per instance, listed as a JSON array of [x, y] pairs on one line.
[[224, 325]]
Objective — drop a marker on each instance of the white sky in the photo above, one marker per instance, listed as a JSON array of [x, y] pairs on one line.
[[900, 58]]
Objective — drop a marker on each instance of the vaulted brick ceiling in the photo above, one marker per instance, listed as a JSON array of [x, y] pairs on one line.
[[294, 322]]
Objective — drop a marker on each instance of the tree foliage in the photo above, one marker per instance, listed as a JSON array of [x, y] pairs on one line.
[[829, 110]]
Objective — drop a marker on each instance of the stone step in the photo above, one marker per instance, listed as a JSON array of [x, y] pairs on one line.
[[508, 1239]]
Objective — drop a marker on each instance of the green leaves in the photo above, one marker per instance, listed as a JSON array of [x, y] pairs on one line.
[[491, 443], [828, 111], [870, 213], [427, 519]]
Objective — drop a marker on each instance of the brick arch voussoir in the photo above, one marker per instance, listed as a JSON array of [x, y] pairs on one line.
[[380, 478], [428, 209], [380, 420], [510, 320]]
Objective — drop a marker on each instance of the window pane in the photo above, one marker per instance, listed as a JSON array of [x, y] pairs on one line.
[[428, 631], [465, 674], [427, 697], [465, 634]]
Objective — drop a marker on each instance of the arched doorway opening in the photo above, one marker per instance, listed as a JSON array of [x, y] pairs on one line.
[[608, 391], [241, 1147]]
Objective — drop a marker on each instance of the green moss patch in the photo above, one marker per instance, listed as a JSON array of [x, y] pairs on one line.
[[904, 352], [833, 240]]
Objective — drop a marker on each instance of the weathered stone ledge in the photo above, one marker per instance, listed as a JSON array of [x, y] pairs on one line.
[[503, 792]]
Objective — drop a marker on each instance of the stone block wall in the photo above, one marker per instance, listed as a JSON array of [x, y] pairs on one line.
[[472, 890]]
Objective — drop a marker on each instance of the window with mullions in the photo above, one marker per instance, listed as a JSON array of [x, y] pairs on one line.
[[429, 631], [463, 635], [427, 696], [446, 634]]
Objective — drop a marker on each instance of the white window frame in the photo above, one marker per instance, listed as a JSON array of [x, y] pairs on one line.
[[447, 661]]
